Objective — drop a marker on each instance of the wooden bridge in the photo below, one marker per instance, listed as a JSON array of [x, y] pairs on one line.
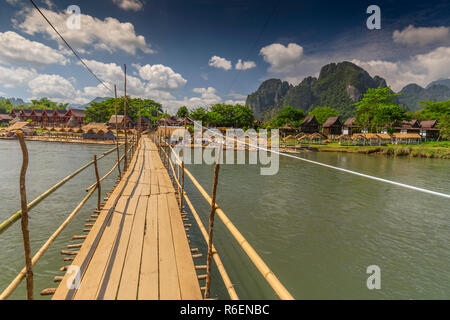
[[137, 247], [135, 244]]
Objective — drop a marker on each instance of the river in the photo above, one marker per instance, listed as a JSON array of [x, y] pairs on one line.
[[317, 229]]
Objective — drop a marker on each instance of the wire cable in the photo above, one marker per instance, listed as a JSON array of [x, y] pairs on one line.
[[399, 184], [70, 47]]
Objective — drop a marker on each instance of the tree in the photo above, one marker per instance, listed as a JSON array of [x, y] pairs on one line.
[[378, 108], [45, 103], [323, 113], [102, 111], [433, 110], [440, 111], [183, 112], [199, 114], [287, 114], [444, 126]]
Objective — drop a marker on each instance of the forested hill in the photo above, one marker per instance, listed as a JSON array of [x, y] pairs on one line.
[[338, 86]]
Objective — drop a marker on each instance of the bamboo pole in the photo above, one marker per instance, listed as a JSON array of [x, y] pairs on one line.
[[270, 277], [125, 117], [99, 187], [215, 255], [106, 175], [211, 223], [182, 185], [16, 216], [117, 132], [24, 220], [15, 283]]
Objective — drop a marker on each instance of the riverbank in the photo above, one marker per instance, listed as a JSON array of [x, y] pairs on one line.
[[424, 150], [50, 139]]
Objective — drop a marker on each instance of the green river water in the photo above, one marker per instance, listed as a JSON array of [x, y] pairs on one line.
[[317, 229]]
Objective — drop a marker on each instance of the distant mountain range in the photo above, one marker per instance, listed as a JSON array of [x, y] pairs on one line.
[[338, 86]]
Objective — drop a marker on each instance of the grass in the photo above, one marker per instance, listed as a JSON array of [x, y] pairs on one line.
[[424, 150]]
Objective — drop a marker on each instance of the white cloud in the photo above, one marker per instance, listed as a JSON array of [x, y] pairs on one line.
[[55, 88], [129, 5], [282, 58], [109, 34], [49, 3], [220, 63], [421, 36], [161, 77], [245, 65], [13, 2], [420, 69], [13, 77], [15, 49]]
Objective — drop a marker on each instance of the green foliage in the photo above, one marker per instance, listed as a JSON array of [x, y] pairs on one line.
[[444, 126], [183, 112], [377, 108], [432, 110], [287, 114], [45, 103], [199, 114], [102, 111], [440, 111], [224, 115], [323, 113]]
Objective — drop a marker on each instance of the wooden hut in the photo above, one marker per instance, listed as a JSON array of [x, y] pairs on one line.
[[407, 126], [310, 125], [428, 130], [5, 119], [72, 123], [122, 121], [406, 138], [332, 127], [78, 114], [349, 127], [287, 129]]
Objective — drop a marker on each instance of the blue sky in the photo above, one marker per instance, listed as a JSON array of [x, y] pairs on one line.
[[187, 52]]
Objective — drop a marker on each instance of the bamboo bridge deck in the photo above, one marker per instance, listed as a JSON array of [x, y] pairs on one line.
[[137, 248]]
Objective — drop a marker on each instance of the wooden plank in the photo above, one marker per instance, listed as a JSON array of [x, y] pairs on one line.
[[189, 286], [128, 288], [169, 288], [83, 258], [92, 279], [149, 274]]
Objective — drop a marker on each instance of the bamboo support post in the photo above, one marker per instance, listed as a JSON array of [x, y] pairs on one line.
[[99, 188], [16, 216], [125, 118], [270, 277], [117, 132], [211, 224], [24, 220], [15, 283]]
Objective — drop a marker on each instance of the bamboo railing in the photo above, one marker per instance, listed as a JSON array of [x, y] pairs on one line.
[[16, 216], [265, 271], [91, 190]]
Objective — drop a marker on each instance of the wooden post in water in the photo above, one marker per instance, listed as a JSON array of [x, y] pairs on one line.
[[98, 183], [125, 118], [117, 134], [211, 223], [24, 220]]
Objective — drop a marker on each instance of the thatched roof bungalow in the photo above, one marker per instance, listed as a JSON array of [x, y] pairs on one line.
[[406, 138]]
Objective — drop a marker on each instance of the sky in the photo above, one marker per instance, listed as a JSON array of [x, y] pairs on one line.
[[200, 52]]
